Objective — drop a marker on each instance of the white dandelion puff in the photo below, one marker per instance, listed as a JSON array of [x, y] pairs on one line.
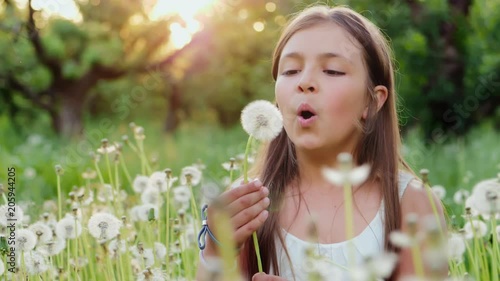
[[53, 247], [486, 196], [10, 214], [145, 255], [347, 174], [383, 265], [152, 196], [158, 181], [475, 228], [25, 240], [182, 194], [190, 174], [262, 120], [456, 247], [160, 250], [2, 268], [140, 183], [400, 239], [106, 149], [460, 196], [35, 262], [68, 228], [155, 274], [117, 246], [439, 191], [104, 226], [141, 213], [42, 232]]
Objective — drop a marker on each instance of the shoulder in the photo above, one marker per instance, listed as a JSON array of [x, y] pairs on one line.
[[420, 201]]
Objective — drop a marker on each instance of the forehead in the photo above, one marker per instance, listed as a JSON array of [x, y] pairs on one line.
[[324, 38]]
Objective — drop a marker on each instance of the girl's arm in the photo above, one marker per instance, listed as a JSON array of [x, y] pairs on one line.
[[416, 201]]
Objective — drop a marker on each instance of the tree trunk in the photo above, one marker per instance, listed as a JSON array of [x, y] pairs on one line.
[[69, 119], [173, 105]]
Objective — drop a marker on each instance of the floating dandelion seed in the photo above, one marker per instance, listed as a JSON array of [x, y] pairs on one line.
[[104, 226], [475, 228], [35, 262], [25, 240], [140, 183], [68, 228], [190, 174], [42, 232], [347, 174], [262, 120]]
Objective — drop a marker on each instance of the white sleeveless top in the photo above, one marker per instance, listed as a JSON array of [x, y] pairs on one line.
[[370, 242]]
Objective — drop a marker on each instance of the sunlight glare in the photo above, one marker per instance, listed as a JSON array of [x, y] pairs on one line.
[[187, 10]]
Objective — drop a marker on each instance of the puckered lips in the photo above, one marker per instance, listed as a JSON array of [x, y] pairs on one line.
[[306, 115]]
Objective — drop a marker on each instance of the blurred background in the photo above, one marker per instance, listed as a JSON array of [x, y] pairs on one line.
[[73, 72]]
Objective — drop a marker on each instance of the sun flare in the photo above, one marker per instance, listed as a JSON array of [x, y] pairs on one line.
[[180, 35]]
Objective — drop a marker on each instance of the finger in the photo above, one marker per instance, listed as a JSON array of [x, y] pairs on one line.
[[246, 201], [235, 193], [264, 277], [242, 233], [246, 215]]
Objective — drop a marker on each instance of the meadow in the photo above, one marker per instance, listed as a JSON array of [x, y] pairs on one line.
[[90, 212]]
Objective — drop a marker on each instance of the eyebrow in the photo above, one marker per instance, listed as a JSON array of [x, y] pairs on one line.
[[321, 56]]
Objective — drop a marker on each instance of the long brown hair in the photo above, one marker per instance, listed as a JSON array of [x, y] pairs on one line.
[[378, 146]]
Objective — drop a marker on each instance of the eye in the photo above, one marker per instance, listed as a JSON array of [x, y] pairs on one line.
[[290, 72], [333, 72]]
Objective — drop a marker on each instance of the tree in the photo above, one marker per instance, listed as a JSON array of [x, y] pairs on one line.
[[56, 63]]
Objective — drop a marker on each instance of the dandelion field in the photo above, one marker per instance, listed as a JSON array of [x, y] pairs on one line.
[[130, 211]]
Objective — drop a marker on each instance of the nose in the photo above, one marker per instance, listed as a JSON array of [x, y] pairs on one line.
[[307, 84]]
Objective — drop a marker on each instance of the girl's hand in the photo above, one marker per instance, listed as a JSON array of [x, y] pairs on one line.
[[264, 277], [246, 206]]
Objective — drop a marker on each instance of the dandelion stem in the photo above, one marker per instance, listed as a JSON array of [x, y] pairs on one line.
[[417, 260], [434, 210], [495, 271], [349, 227], [245, 161], [110, 173], [59, 197], [125, 171]]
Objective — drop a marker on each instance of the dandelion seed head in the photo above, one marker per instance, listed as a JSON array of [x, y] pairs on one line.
[[160, 250], [25, 240], [152, 196], [35, 262], [142, 212], [460, 196], [439, 191], [400, 239], [190, 174], [456, 247], [383, 265], [2, 268], [140, 183], [182, 194], [155, 274], [262, 120], [68, 228], [158, 181], [6, 213], [475, 228], [42, 231], [53, 247], [104, 226], [485, 197]]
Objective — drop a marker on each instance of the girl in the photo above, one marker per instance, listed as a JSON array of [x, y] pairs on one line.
[[335, 89]]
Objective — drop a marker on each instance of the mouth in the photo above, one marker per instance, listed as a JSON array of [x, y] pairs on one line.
[[306, 112]]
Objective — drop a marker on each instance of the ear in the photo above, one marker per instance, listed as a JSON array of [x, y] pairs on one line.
[[380, 95]]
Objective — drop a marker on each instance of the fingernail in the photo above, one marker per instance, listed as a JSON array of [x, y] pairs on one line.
[[257, 183], [265, 190]]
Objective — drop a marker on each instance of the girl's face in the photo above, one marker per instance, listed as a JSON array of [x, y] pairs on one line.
[[321, 88]]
